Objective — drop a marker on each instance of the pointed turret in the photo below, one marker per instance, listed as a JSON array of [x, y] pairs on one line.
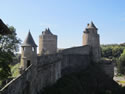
[[28, 53], [29, 41]]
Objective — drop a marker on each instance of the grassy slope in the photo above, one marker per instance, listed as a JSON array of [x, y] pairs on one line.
[[15, 70], [90, 81]]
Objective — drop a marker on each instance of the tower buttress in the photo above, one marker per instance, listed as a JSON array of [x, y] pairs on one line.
[[47, 42], [91, 38]]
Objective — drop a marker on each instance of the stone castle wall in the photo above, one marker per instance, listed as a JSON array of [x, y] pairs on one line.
[[108, 67], [50, 68], [83, 50], [74, 63], [35, 78], [20, 85], [75, 58], [91, 38], [28, 54]]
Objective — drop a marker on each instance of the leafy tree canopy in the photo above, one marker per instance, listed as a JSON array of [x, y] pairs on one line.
[[121, 63], [9, 44], [112, 51]]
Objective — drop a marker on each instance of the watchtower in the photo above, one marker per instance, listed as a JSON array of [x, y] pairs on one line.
[[47, 42], [91, 38], [28, 52]]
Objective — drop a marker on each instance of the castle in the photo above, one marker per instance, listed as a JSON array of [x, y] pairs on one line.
[[43, 69], [48, 45]]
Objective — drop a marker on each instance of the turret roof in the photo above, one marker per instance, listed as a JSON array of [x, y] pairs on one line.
[[91, 25], [47, 31], [29, 41]]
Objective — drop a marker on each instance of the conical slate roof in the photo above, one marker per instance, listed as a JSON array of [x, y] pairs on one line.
[[91, 25], [29, 41]]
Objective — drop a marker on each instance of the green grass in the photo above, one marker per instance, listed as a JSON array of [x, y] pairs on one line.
[[15, 70], [122, 82]]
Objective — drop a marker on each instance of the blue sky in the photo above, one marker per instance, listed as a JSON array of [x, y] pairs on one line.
[[66, 18]]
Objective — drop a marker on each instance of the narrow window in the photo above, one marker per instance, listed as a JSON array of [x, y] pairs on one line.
[[28, 63]]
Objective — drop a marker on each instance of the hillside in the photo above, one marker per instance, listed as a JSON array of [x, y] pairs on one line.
[[90, 81]]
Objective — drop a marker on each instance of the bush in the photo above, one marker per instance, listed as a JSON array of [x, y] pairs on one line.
[[121, 63], [111, 51]]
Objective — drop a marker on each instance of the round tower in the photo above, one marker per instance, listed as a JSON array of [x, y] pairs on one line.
[[91, 38], [47, 42], [28, 52]]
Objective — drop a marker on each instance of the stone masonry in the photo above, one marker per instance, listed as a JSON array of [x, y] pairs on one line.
[[91, 38], [44, 69], [47, 42]]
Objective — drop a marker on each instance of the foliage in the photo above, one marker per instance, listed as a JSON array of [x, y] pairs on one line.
[[5, 59], [112, 51], [116, 53], [106, 52], [9, 44], [15, 70], [121, 63], [89, 81], [117, 50]]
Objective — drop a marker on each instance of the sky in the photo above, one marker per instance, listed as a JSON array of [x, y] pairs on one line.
[[66, 18]]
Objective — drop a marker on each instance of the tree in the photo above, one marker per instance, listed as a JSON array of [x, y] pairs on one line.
[[9, 44], [111, 51], [121, 63], [106, 52], [117, 51]]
